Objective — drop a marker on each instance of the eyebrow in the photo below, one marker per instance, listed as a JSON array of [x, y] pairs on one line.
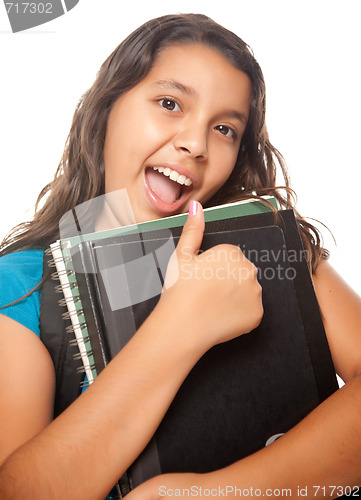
[[238, 116], [173, 84], [185, 89]]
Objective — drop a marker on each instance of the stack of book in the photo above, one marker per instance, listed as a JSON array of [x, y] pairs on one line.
[[241, 394]]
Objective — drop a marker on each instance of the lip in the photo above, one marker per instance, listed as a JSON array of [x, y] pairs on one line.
[[160, 205]]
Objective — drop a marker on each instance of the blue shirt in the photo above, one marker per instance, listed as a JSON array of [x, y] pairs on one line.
[[20, 272]]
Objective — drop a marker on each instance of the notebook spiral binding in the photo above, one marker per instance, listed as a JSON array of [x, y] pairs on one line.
[[80, 355], [57, 275], [59, 288], [74, 342], [82, 369], [65, 301], [69, 314], [62, 263], [70, 329]]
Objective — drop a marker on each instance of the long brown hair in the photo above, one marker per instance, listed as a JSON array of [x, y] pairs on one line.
[[80, 174]]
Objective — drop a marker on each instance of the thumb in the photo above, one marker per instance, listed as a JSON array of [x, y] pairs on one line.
[[188, 245], [192, 234]]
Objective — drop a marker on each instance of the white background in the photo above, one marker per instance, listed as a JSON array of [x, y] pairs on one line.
[[309, 52]]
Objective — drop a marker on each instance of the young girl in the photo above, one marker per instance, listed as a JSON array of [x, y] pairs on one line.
[[181, 93]]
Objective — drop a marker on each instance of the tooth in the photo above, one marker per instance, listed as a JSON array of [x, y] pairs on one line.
[[181, 179], [174, 175]]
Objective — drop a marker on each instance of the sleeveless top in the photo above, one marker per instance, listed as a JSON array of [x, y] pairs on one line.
[[20, 272]]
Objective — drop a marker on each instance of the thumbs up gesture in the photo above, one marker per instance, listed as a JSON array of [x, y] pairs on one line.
[[216, 293]]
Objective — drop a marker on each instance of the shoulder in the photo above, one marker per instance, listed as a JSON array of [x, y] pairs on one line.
[[24, 258], [20, 272]]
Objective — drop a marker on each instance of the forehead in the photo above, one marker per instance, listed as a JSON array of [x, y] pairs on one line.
[[200, 71]]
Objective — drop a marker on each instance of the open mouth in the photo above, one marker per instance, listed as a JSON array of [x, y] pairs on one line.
[[166, 188]]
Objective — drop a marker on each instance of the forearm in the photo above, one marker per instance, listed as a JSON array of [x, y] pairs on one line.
[[322, 450], [85, 450]]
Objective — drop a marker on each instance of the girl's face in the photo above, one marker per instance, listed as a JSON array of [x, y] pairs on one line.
[[175, 136]]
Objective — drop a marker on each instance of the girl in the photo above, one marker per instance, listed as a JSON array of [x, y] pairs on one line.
[[182, 93]]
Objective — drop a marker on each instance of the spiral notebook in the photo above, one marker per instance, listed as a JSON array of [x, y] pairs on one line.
[[241, 394]]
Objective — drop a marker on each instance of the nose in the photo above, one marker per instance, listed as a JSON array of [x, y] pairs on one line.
[[192, 141]]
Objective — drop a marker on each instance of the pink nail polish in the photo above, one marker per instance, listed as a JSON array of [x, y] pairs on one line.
[[193, 206]]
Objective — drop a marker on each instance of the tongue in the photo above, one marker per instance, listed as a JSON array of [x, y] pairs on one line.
[[166, 189]]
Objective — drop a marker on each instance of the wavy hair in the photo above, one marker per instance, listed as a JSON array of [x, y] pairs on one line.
[[80, 174]]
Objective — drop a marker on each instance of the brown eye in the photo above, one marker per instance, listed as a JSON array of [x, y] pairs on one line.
[[227, 131], [169, 105]]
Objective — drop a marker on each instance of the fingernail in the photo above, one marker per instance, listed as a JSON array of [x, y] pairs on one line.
[[193, 206]]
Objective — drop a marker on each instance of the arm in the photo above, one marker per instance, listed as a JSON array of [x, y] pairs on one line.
[[341, 310], [26, 387], [324, 449], [107, 427], [84, 451]]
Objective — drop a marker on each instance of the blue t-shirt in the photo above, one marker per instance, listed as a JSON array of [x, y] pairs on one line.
[[20, 272]]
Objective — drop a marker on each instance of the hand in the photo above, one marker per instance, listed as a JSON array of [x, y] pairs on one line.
[[215, 293]]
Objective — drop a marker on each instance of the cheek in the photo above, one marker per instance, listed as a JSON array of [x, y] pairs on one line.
[[153, 133], [215, 180], [224, 167]]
